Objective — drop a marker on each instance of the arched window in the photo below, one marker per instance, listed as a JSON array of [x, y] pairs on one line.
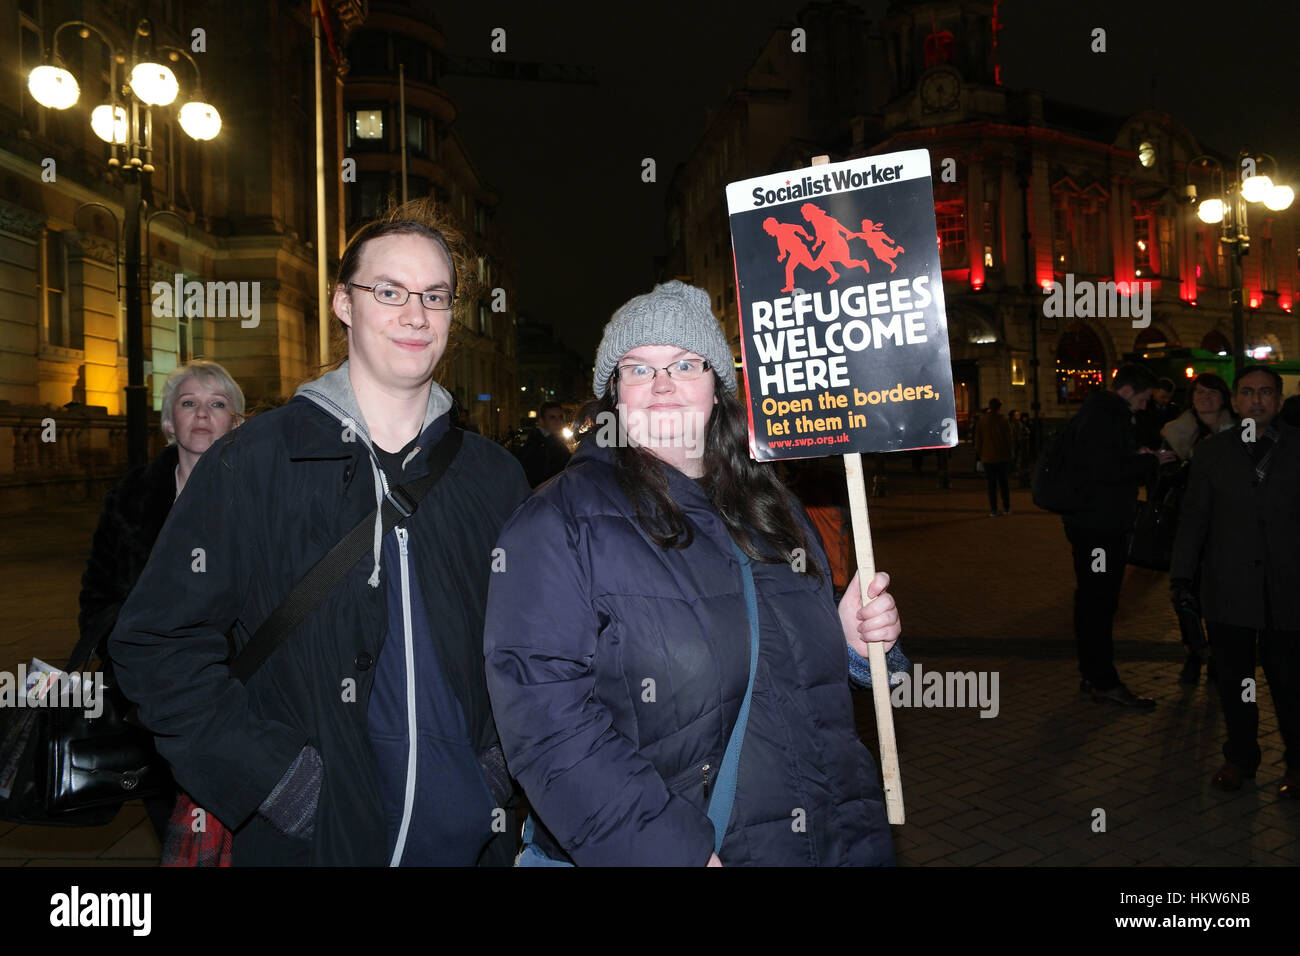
[[1080, 363], [1150, 338], [1216, 342]]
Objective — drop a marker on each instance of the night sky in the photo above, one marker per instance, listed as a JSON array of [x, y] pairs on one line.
[[566, 159]]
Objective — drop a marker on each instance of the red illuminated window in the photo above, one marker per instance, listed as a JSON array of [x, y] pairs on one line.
[[950, 218]]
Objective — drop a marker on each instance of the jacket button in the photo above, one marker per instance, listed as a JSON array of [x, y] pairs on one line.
[[363, 661]]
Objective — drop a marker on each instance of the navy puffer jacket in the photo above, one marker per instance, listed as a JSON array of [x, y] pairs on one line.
[[617, 668]]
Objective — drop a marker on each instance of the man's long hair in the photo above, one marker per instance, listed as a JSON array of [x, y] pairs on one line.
[[754, 504]]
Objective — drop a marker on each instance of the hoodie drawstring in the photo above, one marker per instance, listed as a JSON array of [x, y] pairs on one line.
[[373, 580]]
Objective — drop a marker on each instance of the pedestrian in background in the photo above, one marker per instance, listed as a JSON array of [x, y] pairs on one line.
[[819, 485], [1108, 466], [994, 448], [1159, 411], [200, 404], [544, 453], [1239, 529], [1211, 413], [1291, 411]]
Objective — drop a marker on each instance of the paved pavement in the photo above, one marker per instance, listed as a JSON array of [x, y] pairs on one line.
[[1053, 779]]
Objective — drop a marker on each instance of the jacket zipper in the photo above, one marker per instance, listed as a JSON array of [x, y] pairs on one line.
[[705, 771], [409, 800]]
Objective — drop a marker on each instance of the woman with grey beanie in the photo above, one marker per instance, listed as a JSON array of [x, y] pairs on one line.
[[669, 673]]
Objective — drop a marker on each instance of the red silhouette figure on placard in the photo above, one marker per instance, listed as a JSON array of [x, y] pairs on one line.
[[833, 240], [876, 238], [792, 251]]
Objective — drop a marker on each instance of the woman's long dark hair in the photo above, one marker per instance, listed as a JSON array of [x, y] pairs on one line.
[[752, 501], [1211, 381]]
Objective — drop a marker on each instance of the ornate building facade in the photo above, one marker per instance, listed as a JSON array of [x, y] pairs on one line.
[[234, 216], [1028, 192]]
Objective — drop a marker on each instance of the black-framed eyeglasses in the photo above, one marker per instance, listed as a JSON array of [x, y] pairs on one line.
[[682, 370], [390, 293]]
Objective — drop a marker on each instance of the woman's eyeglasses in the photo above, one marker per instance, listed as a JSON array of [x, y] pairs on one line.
[[683, 370]]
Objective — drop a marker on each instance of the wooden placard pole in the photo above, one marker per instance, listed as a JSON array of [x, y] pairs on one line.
[[875, 652]]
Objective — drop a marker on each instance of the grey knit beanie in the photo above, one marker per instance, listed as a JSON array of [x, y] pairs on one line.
[[673, 313]]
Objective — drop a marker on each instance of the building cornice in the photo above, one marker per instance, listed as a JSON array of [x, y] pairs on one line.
[[18, 221]]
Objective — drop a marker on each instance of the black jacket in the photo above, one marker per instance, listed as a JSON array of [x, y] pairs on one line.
[[543, 456], [1109, 467], [133, 514], [1291, 411], [1149, 421], [260, 508], [1243, 533]]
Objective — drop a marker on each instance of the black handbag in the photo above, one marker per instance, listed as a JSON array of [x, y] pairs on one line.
[[1157, 523], [73, 769]]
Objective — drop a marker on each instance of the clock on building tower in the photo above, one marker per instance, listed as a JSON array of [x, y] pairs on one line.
[[940, 90]]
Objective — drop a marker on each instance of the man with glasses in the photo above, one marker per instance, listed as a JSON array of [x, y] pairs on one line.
[[367, 737], [1240, 525]]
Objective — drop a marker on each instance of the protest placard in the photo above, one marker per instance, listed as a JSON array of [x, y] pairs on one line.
[[843, 333]]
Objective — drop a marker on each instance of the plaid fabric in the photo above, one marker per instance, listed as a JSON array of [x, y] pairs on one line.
[[1263, 452], [184, 847]]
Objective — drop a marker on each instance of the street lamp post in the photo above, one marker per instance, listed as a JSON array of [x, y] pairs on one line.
[[128, 129], [1032, 291], [1229, 208]]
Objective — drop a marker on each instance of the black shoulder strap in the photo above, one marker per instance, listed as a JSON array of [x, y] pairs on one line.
[[81, 654], [400, 502]]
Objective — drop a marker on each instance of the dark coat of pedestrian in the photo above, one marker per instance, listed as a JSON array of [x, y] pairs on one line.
[[543, 455], [201, 403], [1243, 532], [133, 514], [1160, 410], [1110, 467], [1239, 529], [994, 448], [1107, 468], [993, 440], [1291, 411]]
